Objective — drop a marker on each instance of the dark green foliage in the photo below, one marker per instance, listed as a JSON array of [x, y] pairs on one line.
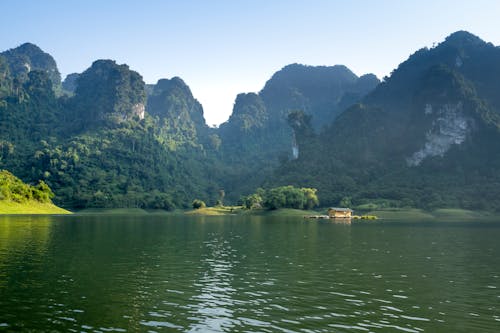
[[248, 149], [283, 197], [300, 123], [28, 57], [94, 149], [179, 114], [249, 114], [314, 90], [5, 78], [107, 94], [29, 114], [252, 201], [126, 166], [257, 137], [70, 82], [426, 137], [197, 204]]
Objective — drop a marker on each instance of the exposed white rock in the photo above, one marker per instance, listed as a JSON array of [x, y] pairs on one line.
[[295, 152], [295, 148], [458, 61], [428, 109], [449, 128], [139, 110]]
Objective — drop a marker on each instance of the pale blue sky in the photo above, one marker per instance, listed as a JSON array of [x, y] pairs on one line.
[[224, 47]]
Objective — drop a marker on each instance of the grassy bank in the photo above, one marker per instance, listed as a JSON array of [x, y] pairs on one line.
[[30, 207], [217, 211], [411, 214], [206, 211], [446, 214], [120, 211], [239, 210]]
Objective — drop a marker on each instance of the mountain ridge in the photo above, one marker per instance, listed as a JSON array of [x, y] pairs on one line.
[[418, 137], [423, 137]]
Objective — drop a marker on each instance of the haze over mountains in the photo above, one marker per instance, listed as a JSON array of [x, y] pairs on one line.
[[427, 136]]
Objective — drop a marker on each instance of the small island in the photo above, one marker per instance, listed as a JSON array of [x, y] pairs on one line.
[[16, 197]]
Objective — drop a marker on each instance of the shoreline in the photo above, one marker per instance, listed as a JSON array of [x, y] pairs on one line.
[[401, 214], [388, 214], [31, 208]]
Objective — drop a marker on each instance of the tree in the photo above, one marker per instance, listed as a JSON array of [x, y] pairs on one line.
[[42, 192], [289, 197], [311, 198], [252, 201], [197, 204], [345, 202]]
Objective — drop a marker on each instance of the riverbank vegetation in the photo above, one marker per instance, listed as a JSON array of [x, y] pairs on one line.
[[424, 139], [442, 214], [17, 197], [282, 197], [242, 211]]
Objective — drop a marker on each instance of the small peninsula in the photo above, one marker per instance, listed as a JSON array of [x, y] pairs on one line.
[[16, 197]]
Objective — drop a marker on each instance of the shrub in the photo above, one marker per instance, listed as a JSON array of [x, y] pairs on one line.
[[197, 204]]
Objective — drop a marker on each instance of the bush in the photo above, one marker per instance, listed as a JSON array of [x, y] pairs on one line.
[[197, 204], [283, 197], [12, 188], [253, 201]]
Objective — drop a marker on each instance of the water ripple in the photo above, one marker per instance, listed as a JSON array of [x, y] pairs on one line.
[[250, 275]]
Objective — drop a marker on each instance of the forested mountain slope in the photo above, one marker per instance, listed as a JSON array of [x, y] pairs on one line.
[[257, 137], [100, 147], [427, 137]]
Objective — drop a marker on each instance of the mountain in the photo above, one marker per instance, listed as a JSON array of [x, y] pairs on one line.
[[29, 57], [257, 136], [108, 93], [124, 151], [180, 115], [70, 82], [320, 91], [99, 147], [425, 137]]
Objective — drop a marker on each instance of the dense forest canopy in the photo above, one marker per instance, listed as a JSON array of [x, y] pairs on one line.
[[424, 137]]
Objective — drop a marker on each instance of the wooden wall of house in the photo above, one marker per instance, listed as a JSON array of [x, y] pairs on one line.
[[339, 214]]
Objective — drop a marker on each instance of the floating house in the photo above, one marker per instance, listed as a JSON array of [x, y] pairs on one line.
[[343, 213]]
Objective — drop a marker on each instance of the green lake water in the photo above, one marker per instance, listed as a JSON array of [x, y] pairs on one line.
[[153, 273]]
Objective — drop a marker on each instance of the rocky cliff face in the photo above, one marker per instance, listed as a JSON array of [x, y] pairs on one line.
[[449, 127], [179, 113], [70, 82], [258, 136], [108, 93], [420, 137], [29, 57], [319, 91]]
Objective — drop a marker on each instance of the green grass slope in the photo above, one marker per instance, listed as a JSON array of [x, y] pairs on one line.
[[30, 207], [17, 197]]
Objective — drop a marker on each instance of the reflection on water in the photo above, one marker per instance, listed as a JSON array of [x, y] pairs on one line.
[[26, 231], [251, 274], [22, 243], [212, 308]]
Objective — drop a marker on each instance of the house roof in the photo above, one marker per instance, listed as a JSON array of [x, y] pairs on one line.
[[340, 209]]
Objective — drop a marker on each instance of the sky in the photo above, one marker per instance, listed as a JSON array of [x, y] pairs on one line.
[[224, 47]]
